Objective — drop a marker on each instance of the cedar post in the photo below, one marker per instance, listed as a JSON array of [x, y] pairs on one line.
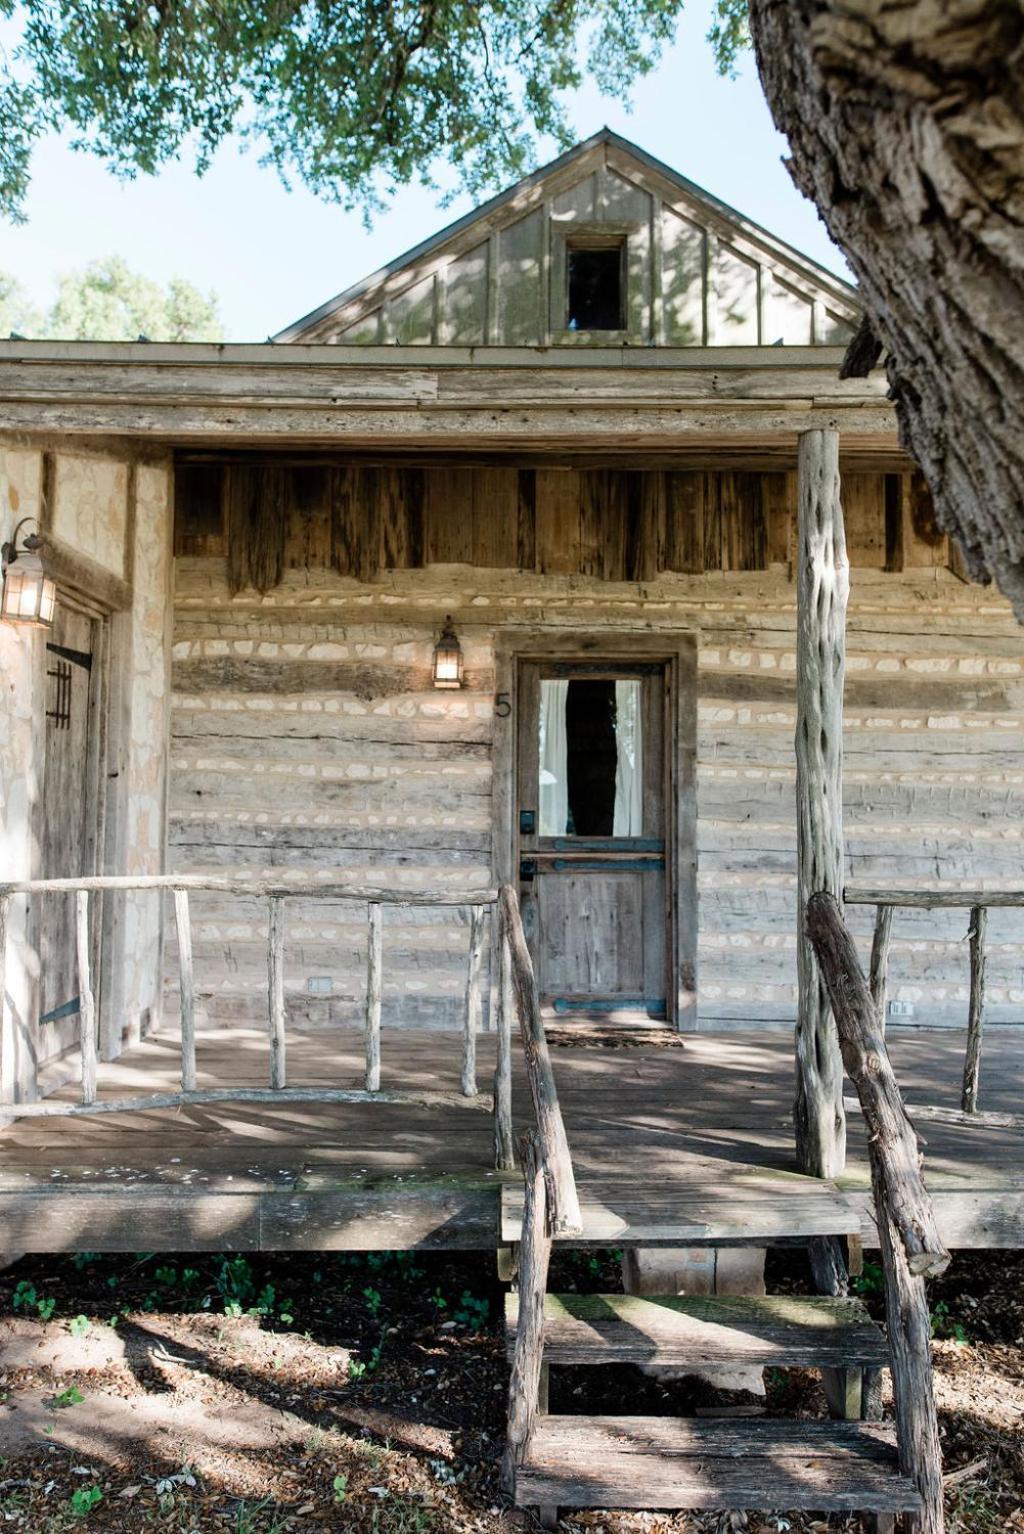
[[471, 1016], [7, 1092], [374, 990], [275, 976], [187, 986], [976, 1020], [910, 1243], [504, 1151], [527, 1360], [823, 582], [87, 999]]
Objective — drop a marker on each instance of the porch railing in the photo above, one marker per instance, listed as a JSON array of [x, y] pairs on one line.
[[515, 992], [908, 1235], [978, 903]]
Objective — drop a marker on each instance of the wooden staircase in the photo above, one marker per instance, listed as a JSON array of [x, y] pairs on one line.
[[734, 1463], [849, 1463]]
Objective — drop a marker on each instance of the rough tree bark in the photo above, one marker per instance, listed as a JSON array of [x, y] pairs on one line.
[[906, 125]]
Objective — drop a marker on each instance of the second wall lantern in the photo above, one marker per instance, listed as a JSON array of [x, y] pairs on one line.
[[448, 662]]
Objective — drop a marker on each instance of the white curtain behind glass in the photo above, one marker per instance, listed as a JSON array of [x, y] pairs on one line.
[[629, 770], [554, 782]]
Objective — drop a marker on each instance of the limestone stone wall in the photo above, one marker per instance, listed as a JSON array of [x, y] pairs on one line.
[[307, 737]]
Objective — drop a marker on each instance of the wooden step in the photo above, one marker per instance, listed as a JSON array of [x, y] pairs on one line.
[[752, 1205], [683, 1331], [666, 1462]]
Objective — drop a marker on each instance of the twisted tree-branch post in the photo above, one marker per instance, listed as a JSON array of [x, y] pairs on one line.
[[907, 1233], [823, 583]]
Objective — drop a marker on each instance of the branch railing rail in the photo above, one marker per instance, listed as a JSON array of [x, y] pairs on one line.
[[515, 992], [275, 893], [519, 995], [908, 1236], [978, 902]]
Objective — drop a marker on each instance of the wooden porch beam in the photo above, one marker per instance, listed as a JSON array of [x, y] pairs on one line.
[[823, 582]]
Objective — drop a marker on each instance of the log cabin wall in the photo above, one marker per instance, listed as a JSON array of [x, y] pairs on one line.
[[306, 732]]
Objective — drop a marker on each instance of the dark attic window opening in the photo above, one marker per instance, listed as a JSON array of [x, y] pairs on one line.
[[596, 286]]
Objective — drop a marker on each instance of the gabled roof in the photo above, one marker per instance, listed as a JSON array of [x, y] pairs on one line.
[[624, 159]]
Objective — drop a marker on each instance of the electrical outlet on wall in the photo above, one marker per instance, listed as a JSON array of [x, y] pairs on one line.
[[901, 1009], [319, 985]]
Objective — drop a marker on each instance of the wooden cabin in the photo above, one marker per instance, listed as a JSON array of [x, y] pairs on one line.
[[487, 576]]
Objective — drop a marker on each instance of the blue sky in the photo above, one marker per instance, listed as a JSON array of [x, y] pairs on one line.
[[272, 255]]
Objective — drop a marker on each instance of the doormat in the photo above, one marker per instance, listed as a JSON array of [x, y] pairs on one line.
[[610, 1036]]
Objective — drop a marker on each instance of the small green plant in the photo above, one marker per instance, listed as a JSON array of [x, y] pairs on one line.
[[942, 1326], [72, 1396], [340, 1488], [235, 1281], [79, 1326], [358, 1368], [372, 1298], [395, 1516], [84, 1500], [472, 1312], [871, 1281], [82, 1259], [438, 1300], [248, 1518], [46, 1307]]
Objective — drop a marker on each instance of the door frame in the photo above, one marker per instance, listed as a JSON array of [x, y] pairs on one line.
[[94, 788], [677, 652]]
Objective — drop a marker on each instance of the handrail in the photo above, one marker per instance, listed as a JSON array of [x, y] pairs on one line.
[[908, 1233], [978, 902], [275, 892], [528, 1354], [519, 992]]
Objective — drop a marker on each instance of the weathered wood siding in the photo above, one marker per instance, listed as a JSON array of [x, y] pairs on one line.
[[306, 733], [610, 524], [696, 272]]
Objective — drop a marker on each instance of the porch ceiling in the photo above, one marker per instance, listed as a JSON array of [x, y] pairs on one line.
[[742, 406]]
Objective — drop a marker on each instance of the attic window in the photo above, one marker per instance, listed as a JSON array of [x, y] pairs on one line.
[[596, 286]]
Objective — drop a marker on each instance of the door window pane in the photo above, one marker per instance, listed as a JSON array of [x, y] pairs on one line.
[[591, 757]]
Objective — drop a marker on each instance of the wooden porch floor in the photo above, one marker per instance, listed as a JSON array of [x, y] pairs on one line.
[[672, 1143]]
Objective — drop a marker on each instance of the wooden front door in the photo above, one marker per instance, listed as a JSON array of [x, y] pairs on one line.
[[592, 787], [69, 813]]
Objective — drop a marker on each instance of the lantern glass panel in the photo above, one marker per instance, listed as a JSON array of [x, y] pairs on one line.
[[448, 666], [29, 596]]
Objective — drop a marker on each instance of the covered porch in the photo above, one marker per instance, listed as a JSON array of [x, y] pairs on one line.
[[269, 657], [675, 1141]]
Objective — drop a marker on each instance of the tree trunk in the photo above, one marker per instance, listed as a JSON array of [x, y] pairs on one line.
[[906, 125]]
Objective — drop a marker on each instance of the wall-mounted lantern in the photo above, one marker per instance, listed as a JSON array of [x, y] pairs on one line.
[[448, 661], [29, 594]]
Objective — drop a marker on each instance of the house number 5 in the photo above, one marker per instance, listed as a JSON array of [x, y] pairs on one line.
[[503, 705]]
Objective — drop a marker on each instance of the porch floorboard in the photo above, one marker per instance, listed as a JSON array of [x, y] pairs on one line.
[[673, 1126]]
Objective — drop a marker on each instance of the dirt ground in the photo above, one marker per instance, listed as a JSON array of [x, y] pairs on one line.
[[298, 1393]]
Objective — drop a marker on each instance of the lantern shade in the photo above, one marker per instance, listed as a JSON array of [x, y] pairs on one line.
[[29, 595], [448, 662]]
